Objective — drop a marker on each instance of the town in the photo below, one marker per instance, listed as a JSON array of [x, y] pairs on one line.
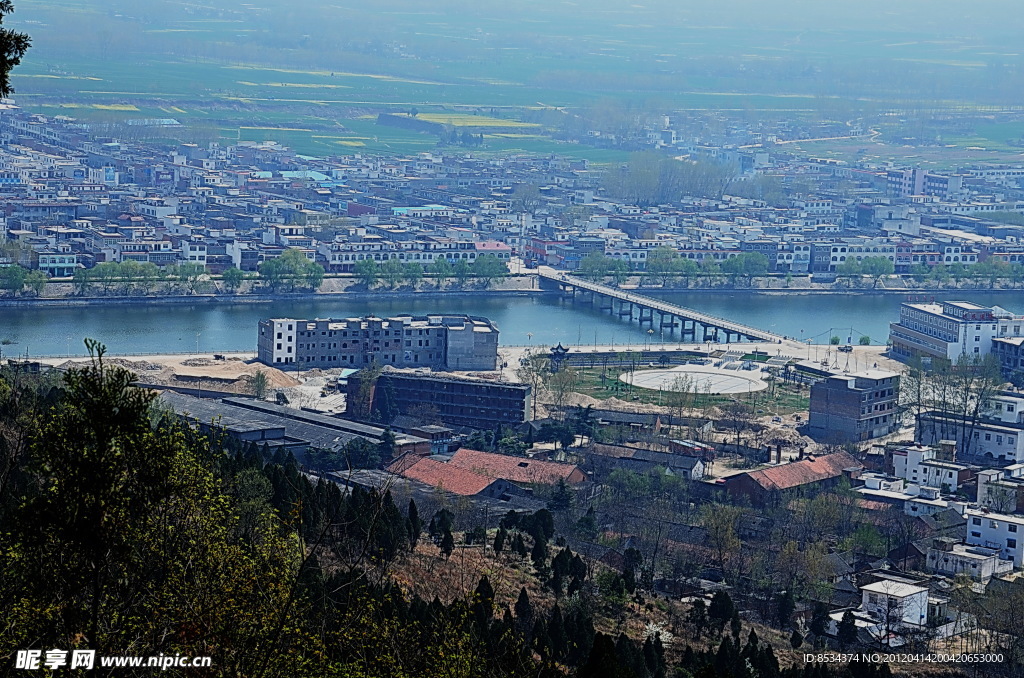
[[868, 506]]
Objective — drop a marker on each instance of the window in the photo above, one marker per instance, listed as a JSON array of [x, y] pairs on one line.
[[976, 521], [1011, 528], [1011, 543]]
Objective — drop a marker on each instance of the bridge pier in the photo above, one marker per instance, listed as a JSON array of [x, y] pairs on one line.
[[670, 316]]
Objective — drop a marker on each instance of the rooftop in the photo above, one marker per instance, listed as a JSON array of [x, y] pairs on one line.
[[809, 470], [895, 589]]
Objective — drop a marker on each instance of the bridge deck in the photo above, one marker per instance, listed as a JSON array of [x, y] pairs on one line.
[[664, 307]]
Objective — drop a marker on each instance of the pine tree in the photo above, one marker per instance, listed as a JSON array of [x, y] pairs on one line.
[[557, 635], [786, 606], [846, 633], [499, 540], [539, 554], [519, 546], [484, 596], [524, 610], [447, 544], [721, 609], [414, 524], [796, 640]]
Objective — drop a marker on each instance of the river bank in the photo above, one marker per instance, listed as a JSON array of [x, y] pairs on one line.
[[525, 285]]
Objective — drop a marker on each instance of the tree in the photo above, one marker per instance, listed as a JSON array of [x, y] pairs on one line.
[[13, 46], [258, 384], [233, 279], [500, 537], [663, 263], [594, 267], [877, 267], [12, 278], [391, 271], [414, 524], [127, 532], [796, 640], [462, 271], [413, 273], [441, 269], [447, 544], [189, 275], [81, 281], [786, 607], [367, 271], [721, 609], [720, 522], [489, 268], [36, 281], [834, 340], [534, 369], [846, 632], [864, 340]]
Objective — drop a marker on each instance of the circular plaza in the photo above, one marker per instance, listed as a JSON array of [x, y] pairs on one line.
[[705, 379]]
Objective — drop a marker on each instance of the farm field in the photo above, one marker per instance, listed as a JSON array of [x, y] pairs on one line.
[[264, 71]]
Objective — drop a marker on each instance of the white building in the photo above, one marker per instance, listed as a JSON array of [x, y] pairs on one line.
[[922, 465], [950, 329], [895, 603], [999, 531], [949, 558], [996, 438], [1002, 489]]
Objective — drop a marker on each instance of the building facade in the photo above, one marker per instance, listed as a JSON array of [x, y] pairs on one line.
[[855, 407], [999, 531], [994, 438], [950, 329], [446, 342], [475, 403]]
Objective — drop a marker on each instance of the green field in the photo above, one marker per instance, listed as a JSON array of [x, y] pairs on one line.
[[255, 71]]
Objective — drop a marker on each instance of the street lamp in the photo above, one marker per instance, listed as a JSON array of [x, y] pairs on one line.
[[197, 342], [650, 335]]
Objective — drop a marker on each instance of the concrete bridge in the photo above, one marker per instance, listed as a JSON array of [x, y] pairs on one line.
[[693, 325]]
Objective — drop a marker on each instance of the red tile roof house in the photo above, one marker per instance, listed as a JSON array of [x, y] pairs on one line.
[[768, 485], [473, 473], [450, 478], [519, 470]]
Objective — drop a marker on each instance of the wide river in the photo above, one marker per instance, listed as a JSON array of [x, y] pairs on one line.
[[539, 321]]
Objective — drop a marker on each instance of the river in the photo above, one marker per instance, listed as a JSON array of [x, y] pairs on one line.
[[540, 321]]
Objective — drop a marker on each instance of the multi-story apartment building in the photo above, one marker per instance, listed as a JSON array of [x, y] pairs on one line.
[[906, 183], [453, 342], [999, 531], [855, 407], [928, 467], [1010, 353], [996, 437], [950, 329], [455, 401], [1002, 489]]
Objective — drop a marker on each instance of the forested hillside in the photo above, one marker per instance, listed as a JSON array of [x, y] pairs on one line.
[[124, 532]]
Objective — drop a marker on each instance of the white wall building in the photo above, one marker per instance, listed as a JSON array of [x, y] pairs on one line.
[[997, 531], [920, 464], [949, 558], [950, 329]]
